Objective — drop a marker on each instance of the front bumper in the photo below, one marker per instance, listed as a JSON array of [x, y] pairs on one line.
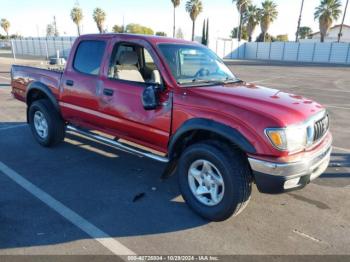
[[274, 178]]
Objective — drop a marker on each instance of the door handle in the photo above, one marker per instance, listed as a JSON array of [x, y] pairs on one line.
[[70, 83], [108, 92]]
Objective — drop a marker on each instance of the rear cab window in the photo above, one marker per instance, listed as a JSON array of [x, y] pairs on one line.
[[88, 57]]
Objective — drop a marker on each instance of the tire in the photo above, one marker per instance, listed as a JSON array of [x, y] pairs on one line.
[[41, 112], [226, 162]]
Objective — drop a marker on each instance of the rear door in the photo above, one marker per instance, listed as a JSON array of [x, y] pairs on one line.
[[121, 98], [81, 83]]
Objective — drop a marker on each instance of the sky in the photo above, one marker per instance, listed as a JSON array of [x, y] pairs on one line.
[[30, 17]]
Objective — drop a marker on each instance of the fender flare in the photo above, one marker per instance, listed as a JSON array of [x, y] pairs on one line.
[[44, 89], [220, 129]]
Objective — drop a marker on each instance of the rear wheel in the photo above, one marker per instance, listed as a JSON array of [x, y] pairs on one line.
[[215, 180], [46, 124]]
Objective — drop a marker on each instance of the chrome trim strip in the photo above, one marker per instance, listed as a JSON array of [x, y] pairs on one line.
[[117, 144]]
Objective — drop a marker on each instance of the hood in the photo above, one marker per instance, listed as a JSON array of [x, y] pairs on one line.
[[284, 108]]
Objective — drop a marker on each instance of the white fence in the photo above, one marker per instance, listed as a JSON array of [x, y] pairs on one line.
[[334, 53], [228, 48], [42, 47]]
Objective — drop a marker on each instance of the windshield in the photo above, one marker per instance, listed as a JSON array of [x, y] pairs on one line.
[[191, 64]]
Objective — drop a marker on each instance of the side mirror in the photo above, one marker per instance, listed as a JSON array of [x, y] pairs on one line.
[[150, 98]]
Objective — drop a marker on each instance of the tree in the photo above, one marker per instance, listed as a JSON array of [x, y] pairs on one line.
[[5, 24], [244, 35], [265, 38], [99, 17], [179, 34], [54, 24], [139, 29], [194, 8], [77, 15], [251, 17], [326, 13], [304, 32], [118, 29], [176, 3], [50, 30], [205, 33], [267, 14], [161, 34], [241, 7]]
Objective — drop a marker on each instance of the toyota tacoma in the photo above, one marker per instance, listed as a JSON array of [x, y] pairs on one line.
[[176, 102]]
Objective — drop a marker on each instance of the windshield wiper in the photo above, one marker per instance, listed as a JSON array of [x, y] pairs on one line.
[[210, 81], [200, 81], [233, 80]]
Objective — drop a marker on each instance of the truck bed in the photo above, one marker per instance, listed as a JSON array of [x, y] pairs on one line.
[[22, 76]]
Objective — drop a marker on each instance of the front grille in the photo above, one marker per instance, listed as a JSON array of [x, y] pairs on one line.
[[321, 128]]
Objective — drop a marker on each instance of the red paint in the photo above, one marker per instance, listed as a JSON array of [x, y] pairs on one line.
[[246, 107]]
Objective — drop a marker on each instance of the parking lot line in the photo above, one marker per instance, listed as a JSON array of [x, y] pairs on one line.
[[11, 127], [103, 238], [3, 77], [266, 79], [339, 107], [342, 149]]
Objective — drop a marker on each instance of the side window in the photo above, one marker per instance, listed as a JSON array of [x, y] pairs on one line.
[[133, 63], [88, 57]]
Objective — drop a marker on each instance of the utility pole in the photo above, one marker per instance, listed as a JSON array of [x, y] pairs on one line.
[[299, 22], [342, 23]]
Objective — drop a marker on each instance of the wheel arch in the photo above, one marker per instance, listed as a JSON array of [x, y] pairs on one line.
[[37, 90], [197, 129]]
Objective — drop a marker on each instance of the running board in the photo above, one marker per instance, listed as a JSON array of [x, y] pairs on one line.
[[117, 144]]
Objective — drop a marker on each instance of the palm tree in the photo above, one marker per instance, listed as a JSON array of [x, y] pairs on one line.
[[242, 8], [267, 14], [99, 17], [326, 12], [251, 16], [176, 3], [194, 8], [5, 24], [77, 15]]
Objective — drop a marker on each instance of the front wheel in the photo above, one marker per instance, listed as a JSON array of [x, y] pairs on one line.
[[46, 124], [215, 180]]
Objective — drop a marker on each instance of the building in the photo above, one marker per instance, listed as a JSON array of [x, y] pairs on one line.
[[332, 35]]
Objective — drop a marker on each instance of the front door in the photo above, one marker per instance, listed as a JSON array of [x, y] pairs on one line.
[[131, 70]]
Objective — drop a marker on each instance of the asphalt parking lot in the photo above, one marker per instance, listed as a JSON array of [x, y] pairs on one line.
[[94, 187]]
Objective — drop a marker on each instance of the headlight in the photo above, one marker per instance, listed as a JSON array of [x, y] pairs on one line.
[[290, 139]]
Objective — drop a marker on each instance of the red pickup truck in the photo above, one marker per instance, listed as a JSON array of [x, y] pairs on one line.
[[176, 102]]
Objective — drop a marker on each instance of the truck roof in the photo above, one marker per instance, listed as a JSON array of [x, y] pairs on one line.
[[150, 38]]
